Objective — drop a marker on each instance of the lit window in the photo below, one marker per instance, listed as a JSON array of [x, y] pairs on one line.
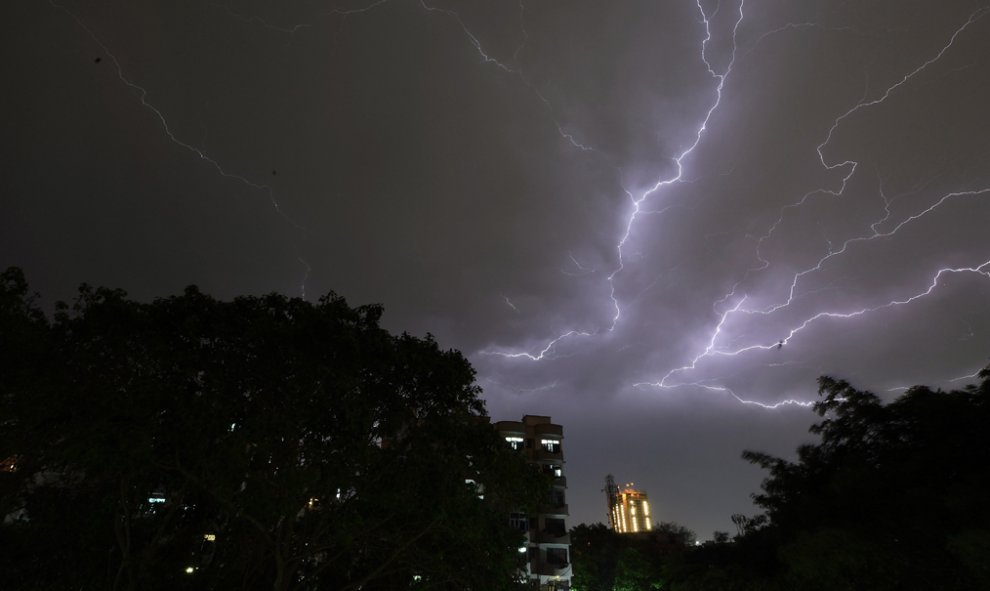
[[210, 537], [190, 570], [550, 445], [515, 442]]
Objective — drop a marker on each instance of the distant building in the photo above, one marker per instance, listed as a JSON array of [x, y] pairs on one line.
[[547, 540], [628, 508]]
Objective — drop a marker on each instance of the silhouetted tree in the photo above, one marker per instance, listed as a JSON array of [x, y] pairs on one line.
[[673, 534], [608, 561], [262, 443], [894, 495]]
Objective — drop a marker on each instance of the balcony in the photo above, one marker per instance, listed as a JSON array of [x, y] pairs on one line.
[[550, 569], [549, 537], [549, 429], [552, 509], [542, 454]]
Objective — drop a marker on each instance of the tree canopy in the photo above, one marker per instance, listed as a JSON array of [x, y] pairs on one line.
[[893, 496], [260, 443]]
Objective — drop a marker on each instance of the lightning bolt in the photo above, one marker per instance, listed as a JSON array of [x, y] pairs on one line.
[[711, 350], [672, 379], [852, 165], [636, 201], [142, 95]]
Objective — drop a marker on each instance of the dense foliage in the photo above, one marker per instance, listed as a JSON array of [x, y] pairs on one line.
[[608, 561], [892, 497], [262, 443]]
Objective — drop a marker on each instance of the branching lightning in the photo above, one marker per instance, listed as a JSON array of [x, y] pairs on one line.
[[642, 201], [674, 378], [981, 269], [636, 201]]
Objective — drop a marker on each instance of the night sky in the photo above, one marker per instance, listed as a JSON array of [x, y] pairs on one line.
[[656, 221]]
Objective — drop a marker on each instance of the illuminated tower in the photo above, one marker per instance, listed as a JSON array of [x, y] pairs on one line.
[[547, 540], [629, 509]]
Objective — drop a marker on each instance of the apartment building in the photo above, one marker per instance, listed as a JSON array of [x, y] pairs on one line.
[[547, 540]]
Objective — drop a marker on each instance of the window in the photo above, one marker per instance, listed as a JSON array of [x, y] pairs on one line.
[[550, 445], [553, 470], [557, 498], [519, 521], [529, 443], [515, 442]]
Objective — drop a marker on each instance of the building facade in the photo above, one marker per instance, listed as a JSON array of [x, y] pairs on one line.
[[628, 508], [547, 540]]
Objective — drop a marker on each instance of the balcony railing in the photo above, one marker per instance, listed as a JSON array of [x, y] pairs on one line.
[[549, 537], [550, 569], [555, 509]]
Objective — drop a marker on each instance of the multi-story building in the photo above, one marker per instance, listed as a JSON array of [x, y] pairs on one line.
[[628, 508], [547, 540]]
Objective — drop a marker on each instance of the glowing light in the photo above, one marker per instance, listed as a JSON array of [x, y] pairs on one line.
[[850, 167], [637, 201]]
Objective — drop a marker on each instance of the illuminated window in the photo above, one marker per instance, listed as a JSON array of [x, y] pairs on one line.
[[550, 445], [515, 442], [210, 537]]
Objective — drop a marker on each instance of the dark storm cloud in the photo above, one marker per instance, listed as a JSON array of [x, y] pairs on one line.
[[473, 166]]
